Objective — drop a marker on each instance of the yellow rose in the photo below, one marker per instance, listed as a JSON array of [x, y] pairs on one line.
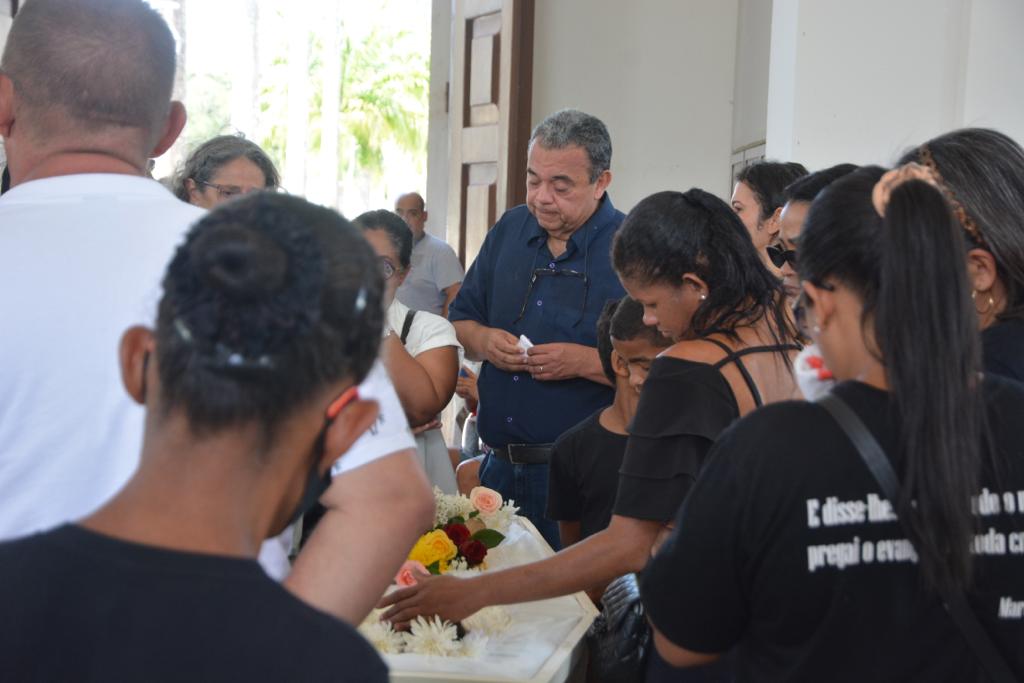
[[434, 547]]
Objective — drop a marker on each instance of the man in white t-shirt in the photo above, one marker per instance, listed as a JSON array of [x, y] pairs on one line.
[[84, 240]]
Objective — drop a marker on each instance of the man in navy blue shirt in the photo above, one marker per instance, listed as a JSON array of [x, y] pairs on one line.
[[544, 272]]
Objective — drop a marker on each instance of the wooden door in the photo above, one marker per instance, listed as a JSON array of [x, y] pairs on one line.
[[489, 107]]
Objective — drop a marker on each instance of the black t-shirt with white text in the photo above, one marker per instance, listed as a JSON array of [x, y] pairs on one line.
[[583, 475], [786, 548], [82, 606]]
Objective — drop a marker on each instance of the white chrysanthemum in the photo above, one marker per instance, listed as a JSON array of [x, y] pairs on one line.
[[381, 634], [501, 519], [474, 644], [432, 637], [448, 506], [490, 621], [457, 566]]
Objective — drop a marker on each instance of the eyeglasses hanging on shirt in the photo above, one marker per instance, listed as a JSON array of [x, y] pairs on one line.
[[558, 273]]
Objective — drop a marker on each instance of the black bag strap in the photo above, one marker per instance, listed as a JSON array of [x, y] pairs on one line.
[[407, 325], [955, 602]]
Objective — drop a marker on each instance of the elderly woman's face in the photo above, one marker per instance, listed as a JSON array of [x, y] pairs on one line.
[[237, 177]]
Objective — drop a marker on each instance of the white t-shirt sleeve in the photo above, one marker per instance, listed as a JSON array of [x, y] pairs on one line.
[[389, 434], [430, 331]]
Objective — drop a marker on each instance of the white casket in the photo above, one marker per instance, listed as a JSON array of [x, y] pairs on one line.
[[543, 643]]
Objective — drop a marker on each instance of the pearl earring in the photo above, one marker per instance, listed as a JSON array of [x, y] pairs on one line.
[[703, 297]]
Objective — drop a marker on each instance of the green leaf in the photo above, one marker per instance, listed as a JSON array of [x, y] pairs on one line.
[[474, 514], [434, 568], [489, 537], [457, 519]]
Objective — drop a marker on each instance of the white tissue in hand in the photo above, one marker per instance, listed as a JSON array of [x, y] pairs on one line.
[[524, 343]]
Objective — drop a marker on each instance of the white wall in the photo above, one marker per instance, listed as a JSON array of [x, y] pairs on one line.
[[863, 81], [750, 90], [994, 92], [659, 73], [860, 82]]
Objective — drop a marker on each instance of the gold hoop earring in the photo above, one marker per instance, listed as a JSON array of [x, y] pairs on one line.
[[991, 303]]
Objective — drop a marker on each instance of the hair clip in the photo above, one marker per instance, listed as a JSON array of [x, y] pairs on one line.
[[183, 331], [968, 224], [360, 303], [225, 358]]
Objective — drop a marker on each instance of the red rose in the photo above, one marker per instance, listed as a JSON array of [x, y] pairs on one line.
[[458, 533], [474, 552]]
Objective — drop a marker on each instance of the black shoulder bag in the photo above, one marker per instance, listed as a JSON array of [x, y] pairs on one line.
[[955, 602], [620, 639], [407, 325]]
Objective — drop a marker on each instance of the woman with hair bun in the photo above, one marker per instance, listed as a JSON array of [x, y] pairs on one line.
[[981, 174], [270, 317], [788, 548]]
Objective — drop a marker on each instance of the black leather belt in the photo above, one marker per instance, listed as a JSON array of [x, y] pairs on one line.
[[525, 453]]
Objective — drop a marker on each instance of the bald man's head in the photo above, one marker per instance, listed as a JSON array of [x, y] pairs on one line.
[[411, 207], [96, 64]]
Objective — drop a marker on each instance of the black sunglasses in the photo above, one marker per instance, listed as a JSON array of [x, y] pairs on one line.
[[779, 255], [551, 272]]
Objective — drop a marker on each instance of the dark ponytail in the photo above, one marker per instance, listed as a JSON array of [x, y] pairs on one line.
[[669, 234], [983, 171], [909, 271]]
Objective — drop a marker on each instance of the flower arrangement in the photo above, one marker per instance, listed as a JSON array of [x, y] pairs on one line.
[[436, 637], [465, 528]]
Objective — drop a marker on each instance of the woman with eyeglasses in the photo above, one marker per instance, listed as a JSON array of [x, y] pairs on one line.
[[688, 259], [788, 547], [224, 167], [420, 349], [981, 173]]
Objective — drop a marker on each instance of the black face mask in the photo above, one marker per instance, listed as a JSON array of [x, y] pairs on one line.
[[315, 484]]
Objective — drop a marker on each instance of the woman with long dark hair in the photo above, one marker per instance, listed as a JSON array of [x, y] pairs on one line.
[[981, 173], [787, 547], [688, 259]]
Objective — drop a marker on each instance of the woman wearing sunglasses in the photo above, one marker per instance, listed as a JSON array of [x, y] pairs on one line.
[[420, 349], [757, 199], [789, 549], [798, 196]]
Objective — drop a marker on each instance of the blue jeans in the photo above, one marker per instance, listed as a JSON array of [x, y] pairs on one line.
[[527, 485]]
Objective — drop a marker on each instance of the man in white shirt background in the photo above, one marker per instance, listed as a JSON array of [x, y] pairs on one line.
[[436, 273], [85, 238]]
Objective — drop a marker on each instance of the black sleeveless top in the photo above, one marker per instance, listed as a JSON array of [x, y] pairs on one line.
[[684, 406]]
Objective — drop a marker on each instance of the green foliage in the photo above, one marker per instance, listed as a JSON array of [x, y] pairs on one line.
[[489, 537], [209, 111], [384, 89]]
